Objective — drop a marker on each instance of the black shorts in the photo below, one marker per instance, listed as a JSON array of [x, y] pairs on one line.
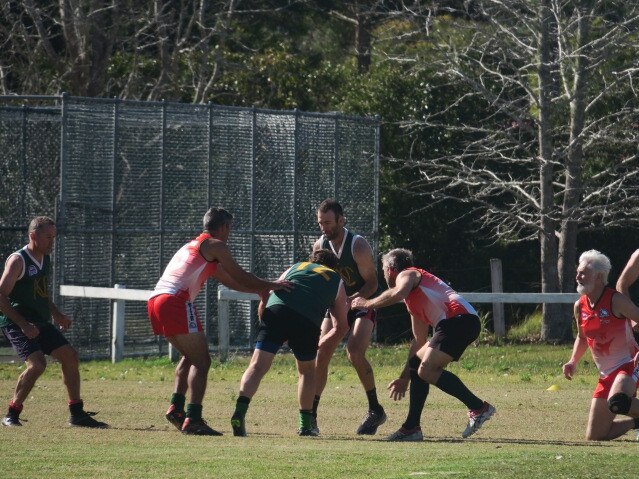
[[49, 339], [453, 335], [279, 324], [353, 314]]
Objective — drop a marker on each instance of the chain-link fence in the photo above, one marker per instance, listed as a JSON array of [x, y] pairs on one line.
[[128, 183]]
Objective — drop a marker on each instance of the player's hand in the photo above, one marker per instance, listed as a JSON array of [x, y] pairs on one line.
[[30, 330], [358, 303], [398, 388], [63, 321], [569, 370]]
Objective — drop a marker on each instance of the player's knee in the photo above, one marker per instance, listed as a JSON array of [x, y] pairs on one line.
[[355, 354], [202, 362], [619, 403], [36, 368], [73, 357]]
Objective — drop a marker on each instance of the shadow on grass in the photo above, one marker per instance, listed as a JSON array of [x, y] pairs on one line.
[[449, 440], [496, 441]]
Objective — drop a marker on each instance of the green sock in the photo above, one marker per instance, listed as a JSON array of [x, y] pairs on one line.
[[306, 419], [241, 406], [178, 401], [194, 411]]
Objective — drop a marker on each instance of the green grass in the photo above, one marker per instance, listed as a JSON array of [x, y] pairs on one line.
[[535, 434], [528, 330]]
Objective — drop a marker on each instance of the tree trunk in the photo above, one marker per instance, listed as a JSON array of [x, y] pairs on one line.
[[553, 323], [363, 42], [574, 164]]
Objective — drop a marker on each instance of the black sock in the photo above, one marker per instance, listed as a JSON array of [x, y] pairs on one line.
[[306, 419], [178, 400], [451, 384], [241, 406], [315, 405], [417, 394], [194, 411], [76, 408], [373, 403]]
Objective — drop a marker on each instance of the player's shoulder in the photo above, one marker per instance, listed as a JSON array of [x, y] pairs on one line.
[[634, 257], [16, 258], [15, 264], [359, 243], [212, 248]]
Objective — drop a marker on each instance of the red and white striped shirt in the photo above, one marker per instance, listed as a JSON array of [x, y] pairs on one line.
[[433, 300], [187, 271], [609, 337]]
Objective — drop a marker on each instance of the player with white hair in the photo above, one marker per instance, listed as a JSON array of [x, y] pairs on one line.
[[603, 316]]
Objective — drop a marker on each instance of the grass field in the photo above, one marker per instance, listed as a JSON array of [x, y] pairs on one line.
[[535, 434]]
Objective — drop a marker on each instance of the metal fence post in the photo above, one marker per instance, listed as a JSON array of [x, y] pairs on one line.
[[174, 354], [223, 326], [117, 344], [496, 281]]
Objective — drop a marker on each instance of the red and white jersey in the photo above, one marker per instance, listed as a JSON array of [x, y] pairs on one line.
[[187, 271], [433, 300], [608, 336]]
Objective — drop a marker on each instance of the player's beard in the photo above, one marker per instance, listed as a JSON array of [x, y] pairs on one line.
[[585, 288], [331, 235]]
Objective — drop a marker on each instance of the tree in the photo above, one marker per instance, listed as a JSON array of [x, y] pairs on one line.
[[148, 49], [552, 148]]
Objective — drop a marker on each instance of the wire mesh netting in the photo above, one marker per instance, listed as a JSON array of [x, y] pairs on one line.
[[128, 183]]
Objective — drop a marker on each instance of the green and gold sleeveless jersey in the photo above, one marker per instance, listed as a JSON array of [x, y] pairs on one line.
[[30, 294], [346, 265], [314, 291]]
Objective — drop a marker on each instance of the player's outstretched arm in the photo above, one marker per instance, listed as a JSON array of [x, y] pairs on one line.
[[232, 275], [622, 306], [404, 284], [629, 274]]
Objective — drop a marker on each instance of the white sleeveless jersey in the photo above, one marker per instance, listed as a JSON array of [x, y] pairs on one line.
[[187, 271], [433, 300]]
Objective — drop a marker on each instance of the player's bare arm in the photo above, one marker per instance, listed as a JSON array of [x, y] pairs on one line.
[[623, 307], [579, 347], [399, 386], [215, 250], [338, 312], [363, 256], [12, 271], [629, 275], [404, 284]]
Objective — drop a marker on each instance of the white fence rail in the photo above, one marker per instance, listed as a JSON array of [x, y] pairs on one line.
[[498, 299], [119, 295]]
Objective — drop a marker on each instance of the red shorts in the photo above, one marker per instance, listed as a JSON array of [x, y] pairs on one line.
[[171, 315], [603, 386]]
